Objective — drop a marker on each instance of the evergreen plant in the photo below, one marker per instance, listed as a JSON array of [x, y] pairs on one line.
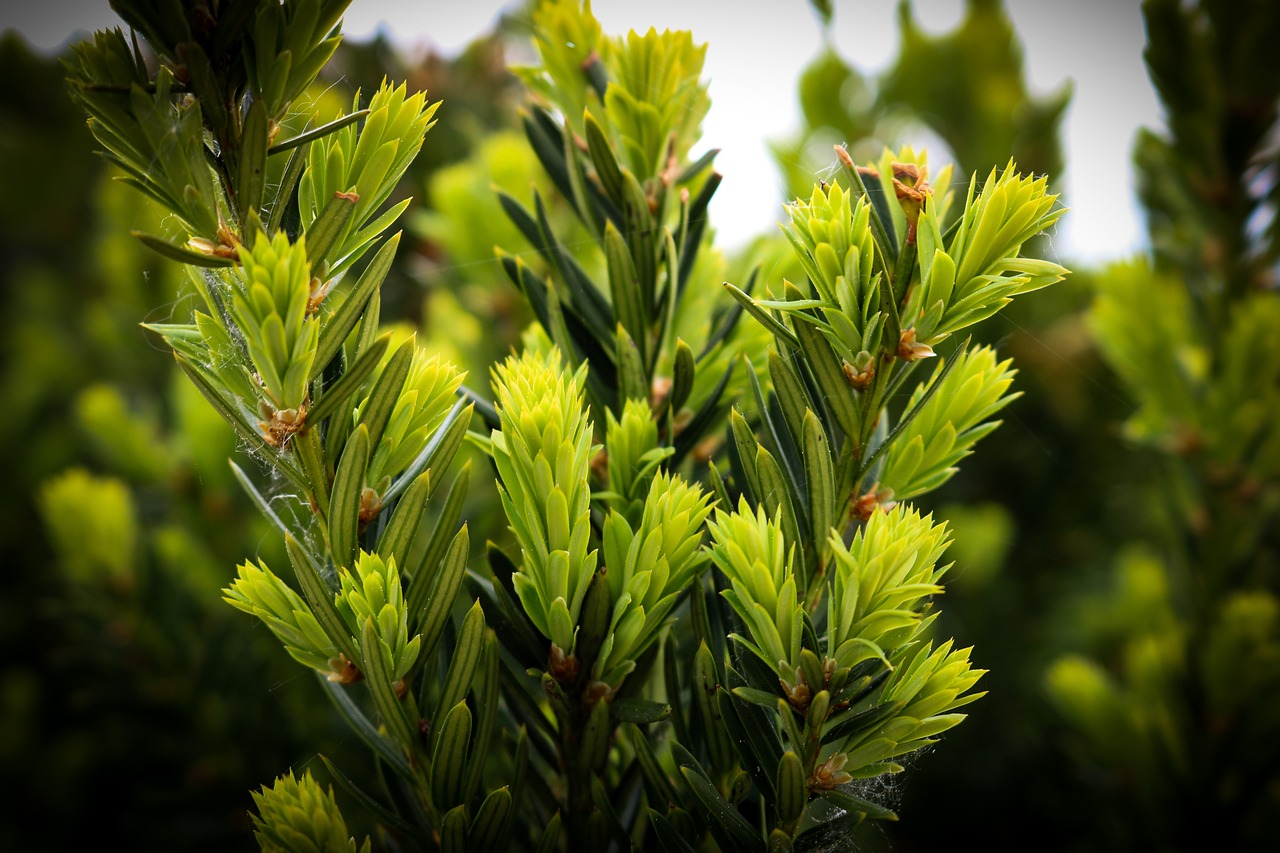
[[712, 626]]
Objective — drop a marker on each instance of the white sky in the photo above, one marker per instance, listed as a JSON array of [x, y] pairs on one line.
[[757, 50]]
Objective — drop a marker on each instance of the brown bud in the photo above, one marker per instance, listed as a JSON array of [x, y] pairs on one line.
[[370, 505], [830, 773], [278, 424], [319, 290], [911, 188], [798, 694], [910, 350], [859, 380], [343, 671], [228, 243], [563, 668], [906, 173], [596, 691], [875, 499]]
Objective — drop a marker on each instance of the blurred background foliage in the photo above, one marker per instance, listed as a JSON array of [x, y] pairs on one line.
[[1116, 573]]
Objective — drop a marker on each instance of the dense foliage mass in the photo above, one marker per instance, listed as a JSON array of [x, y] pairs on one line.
[[706, 612]]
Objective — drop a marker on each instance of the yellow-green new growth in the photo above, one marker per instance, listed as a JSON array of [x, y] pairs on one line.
[[880, 584], [259, 592], [542, 453], [634, 456], [952, 420], [831, 236], [979, 271], [880, 591], [648, 569], [367, 164], [420, 409], [270, 309], [569, 39], [956, 284], [373, 592], [924, 687], [654, 96], [752, 552], [298, 816]]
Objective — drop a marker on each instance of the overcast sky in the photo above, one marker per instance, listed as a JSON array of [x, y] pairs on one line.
[[757, 50]]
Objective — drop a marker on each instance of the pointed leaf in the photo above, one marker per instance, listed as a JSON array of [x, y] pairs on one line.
[[702, 420], [403, 525], [350, 381], [691, 239], [728, 827], [489, 828], [848, 802], [837, 396], [442, 533], [308, 449], [667, 835], [285, 189], [661, 793], [317, 132], [435, 610], [344, 503], [344, 319], [632, 382], [603, 159], [449, 758], [819, 474], [375, 412], [251, 183], [332, 220], [682, 376], [550, 839], [377, 673], [792, 793], [754, 736], [640, 711], [624, 287], [775, 327], [463, 661], [453, 830], [264, 505], [486, 697]]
